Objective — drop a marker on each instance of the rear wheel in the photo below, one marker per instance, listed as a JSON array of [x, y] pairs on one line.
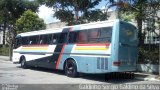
[[71, 68], [23, 63]]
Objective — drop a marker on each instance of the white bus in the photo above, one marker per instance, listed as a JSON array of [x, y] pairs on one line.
[[99, 47]]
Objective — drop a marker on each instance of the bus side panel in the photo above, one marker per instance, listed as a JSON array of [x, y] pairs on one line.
[[16, 55], [86, 63], [65, 55], [115, 43]]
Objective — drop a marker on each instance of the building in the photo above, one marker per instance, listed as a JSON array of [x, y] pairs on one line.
[[55, 25]]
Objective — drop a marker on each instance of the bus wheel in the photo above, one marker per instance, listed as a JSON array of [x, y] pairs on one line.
[[23, 63], [71, 68]]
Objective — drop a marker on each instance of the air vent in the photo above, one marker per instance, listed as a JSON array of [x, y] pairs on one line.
[[102, 63]]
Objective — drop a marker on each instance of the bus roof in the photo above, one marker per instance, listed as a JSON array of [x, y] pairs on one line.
[[78, 27]]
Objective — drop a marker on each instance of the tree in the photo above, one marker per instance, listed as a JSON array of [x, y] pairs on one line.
[[29, 21], [142, 10], [128, 16], [145, 12], [75, 11], [11, 10]]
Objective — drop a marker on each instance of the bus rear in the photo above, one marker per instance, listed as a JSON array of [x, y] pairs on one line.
[[124, 54]]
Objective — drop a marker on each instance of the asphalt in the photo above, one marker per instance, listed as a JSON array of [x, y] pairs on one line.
[[138, 75]]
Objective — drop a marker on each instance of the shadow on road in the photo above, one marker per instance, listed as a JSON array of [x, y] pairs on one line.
[[94, 77], [102, 78]]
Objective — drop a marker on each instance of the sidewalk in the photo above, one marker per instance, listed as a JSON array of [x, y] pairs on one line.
[[5, 58], [146, 77]]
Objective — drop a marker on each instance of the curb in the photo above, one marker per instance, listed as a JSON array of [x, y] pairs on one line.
[[147, 79]]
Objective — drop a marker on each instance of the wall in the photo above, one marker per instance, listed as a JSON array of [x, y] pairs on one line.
[[148, 68]]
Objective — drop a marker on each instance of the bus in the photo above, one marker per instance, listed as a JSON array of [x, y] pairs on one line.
[[94, 48]]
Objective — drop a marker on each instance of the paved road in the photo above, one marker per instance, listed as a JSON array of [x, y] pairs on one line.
[[12, 74]]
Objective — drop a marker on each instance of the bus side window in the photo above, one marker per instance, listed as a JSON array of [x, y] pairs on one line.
[[105, 34], [24, 40], [45, 39], [55, 38], [82, 37], [33, 40], [41, 39], [62, 38], [18, 42], [50, 39], [72, 37], [93, 35]]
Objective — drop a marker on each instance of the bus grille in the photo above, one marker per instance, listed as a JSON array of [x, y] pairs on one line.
[[102, 63]]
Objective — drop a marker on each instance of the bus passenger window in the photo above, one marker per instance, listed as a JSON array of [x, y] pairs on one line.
[[50, 39], [105, 35], [72, 37], [45, 39], [41, 40], [33, 40], [30, 42], [93, 35], [62, 38], [24, 40], [18, 42], [54, 38], [82, 37]]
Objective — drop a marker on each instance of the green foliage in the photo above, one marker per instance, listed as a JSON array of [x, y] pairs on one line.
[[128, 16], [29, 21], [12, 9], [148, 56], [142, 10], [4, 51], [75, 11], [95, 15]]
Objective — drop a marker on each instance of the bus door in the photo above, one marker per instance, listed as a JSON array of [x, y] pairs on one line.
[[127, 45]]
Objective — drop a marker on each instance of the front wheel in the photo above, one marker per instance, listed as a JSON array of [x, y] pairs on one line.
[[23, 63], [71, 68]]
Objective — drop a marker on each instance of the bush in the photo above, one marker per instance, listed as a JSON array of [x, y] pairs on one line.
[[148, 54], [4, 51]]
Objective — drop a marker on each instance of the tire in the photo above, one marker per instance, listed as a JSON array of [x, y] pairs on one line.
[[71, 68], [23, 63]]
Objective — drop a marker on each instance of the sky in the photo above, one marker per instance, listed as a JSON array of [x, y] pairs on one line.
[[46, 13]]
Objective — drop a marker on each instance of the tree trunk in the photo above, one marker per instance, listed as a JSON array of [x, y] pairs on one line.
[[4, 33], [76, 15], [139, 25], [10, 51], [159, 50]]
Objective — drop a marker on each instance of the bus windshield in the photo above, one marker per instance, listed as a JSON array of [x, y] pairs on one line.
[[128, 34]]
